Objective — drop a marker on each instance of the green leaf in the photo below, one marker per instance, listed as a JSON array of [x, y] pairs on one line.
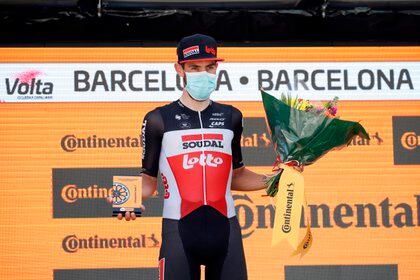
[[305, 136]]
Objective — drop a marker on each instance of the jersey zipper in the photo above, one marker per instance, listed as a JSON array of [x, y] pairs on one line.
[[203, 155]]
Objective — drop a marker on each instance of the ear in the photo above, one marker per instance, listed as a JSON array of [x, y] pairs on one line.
[[179, 70]]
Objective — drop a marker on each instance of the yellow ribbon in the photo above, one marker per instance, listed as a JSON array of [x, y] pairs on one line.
[[290, 198]]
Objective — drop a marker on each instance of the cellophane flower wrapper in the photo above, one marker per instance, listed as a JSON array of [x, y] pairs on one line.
[[303, 137]]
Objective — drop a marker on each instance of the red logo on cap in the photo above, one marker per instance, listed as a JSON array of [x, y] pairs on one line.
[[211, 50], [190, 51]]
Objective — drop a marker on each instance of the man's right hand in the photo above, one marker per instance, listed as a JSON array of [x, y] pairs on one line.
[[128, 215]]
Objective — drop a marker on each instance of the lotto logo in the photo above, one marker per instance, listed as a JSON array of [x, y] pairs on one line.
[[209, 160]]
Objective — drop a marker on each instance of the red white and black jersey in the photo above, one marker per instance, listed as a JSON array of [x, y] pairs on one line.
[[195, 152]]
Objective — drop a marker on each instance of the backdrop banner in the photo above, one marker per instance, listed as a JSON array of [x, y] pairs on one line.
[[61, 148]]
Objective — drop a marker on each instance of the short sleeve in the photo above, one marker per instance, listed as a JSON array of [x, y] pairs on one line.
[[151, 135], [236, 141]]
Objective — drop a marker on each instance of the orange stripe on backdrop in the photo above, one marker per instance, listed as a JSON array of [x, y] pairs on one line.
[[31, 241], [260, 54]]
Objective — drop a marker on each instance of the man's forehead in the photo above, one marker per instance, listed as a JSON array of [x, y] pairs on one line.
[[200, 63]]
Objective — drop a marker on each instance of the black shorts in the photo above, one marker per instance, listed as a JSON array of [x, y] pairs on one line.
[[203, 237]]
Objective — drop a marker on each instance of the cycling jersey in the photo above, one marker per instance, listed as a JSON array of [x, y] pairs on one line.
[[195, 153]]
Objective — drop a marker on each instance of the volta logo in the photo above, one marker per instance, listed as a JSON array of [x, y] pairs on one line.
[[406, 136], [191, 51], [28, 85]]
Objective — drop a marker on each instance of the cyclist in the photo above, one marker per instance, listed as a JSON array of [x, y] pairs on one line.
[[194, 143]]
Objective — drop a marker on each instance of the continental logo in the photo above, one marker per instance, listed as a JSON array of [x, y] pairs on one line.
[[406, 136], [256, 146], [375, 139], [286, 228], [74, 244], [82, 192], [410, 140], [256, 140], [70, 143], [250, 139], [71, 193], [383, 213]]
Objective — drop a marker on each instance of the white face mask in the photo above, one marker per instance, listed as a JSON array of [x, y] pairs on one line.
[[200, 84]]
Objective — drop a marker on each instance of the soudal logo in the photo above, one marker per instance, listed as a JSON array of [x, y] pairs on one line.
[[406, 137], [74, 244], [190, 161], [195, 141], [191, 51], [70, 143], [28, 85], [210, 50]]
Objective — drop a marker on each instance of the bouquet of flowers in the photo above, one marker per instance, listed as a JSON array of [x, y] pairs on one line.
[[301, 133]]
